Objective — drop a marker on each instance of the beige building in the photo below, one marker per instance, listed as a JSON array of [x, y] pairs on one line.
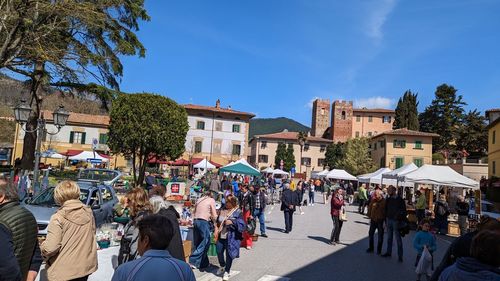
[[393, 149], [263, 151], [493, 116], [371, 122]]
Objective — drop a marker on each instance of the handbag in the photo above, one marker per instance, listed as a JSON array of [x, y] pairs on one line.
[[218, 229], [251, 225], [343, 214]]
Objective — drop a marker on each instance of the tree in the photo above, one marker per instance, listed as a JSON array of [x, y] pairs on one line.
[[289, 158], [357, 158], [406, 112], [65, 44], [281, 154], [144, 126], [472, 134], [334, 155], [302, 139], [443, 116]]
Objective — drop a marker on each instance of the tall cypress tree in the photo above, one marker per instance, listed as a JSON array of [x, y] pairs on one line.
[[290, 158], [406, 112], [280, 155]]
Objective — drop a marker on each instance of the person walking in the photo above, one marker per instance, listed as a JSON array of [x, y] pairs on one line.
[[156, 263], [336, 204], [376, 213], [420, 206], [160, 207], [424, 239], [138, 206], [288, 202], [441, 213], [312, 187], [259, 209], [300, 195], [204, 214], [247, 206], [350, 192], [70, 248], [18, 234], [463, 214], [362, 199], [395, 210], [231, 228]]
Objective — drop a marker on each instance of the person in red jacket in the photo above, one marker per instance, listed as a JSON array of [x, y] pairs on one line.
[[337, 203]]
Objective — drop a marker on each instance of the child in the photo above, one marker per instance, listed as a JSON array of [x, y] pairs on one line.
[[424, 238]]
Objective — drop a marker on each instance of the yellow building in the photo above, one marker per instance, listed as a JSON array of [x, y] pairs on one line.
[[76, 136], [493, 128], [393, 149]]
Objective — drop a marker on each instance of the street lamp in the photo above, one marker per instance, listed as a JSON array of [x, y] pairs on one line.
[[22, 113]]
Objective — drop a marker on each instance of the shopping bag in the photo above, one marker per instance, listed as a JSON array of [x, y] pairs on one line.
[[343, 214], [424, 265]]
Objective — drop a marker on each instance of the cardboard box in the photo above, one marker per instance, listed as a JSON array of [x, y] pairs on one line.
[[453, 229]]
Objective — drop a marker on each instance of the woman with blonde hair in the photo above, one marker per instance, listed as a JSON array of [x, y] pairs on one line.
[[70, 248], [139, 206]]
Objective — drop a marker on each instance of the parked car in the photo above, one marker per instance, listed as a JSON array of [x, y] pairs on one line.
[[487, 208], [96, 191]]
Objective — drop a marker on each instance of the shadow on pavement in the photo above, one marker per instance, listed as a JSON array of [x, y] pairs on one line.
[[319, 238], [274, 229], [362, 222]]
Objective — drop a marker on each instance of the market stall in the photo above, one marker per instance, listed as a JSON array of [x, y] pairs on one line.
[[339, 174], [322, 174], [268, 170], [373, 178], [393, 177], [239, 168]]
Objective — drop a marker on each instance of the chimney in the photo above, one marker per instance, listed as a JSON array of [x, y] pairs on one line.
[[217, 103]]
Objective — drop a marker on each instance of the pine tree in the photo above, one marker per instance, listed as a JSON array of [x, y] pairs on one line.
[[280, 155], [406, 112], [357, 158], [290, 158], [472, 135], [334, 155]]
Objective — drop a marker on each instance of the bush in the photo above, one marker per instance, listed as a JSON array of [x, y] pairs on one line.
[[438, 157], [66, 174]]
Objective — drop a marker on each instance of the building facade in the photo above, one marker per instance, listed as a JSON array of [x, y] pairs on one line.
[[263, 151], [493, 116], [217, 134], [395, 148], [320, 117]]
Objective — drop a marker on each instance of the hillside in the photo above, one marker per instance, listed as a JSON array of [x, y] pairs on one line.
[[260, 126]]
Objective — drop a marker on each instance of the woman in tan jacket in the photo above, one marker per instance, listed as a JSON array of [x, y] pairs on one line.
[[70, 248], [376, 213]]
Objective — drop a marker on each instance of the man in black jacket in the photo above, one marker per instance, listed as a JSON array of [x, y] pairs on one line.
[[463, 213], [289, 200], [395, 210]]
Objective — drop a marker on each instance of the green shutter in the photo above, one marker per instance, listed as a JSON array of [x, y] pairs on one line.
[[394, 143], [71, 137], [399, 162], [403, 144], [83, 137]]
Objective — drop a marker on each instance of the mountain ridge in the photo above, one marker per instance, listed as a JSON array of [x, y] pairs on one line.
[[262, 126]]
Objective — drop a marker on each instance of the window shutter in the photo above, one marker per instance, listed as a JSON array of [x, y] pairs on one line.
[[83, 137], [71, 137]]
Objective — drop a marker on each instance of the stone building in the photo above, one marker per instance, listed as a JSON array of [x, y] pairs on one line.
[[320, 117]]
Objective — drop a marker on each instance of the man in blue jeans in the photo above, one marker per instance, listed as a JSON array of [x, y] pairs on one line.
[[259, 210], [204, 212], [395, 210]]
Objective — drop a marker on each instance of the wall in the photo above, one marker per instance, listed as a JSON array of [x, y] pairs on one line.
[[409, 153], [320, 117], [375, 127], [494, 150], [474, 171], [341, 126]]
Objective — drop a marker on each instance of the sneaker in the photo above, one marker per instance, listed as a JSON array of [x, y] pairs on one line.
[[249, 248], [193, 266], [220, 271], [264, 235], [226, 276], [312, 204], [301, 213]]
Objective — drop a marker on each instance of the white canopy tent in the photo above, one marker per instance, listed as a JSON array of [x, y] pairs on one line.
[[439, 175], [322, 173], [88, 156], [391, 178], [375, 177], [52, 154], [204, 164], [340, 175], [279, 172], [268, 170]]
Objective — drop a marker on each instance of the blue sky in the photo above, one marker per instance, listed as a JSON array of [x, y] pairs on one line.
[[272, 57]]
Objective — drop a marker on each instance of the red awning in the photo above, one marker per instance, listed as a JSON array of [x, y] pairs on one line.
[[72, 152], [104, 155], [154, 160], [195, 161], [178, 162]]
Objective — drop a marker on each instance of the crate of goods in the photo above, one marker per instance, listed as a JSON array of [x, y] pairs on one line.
[[453, 229]]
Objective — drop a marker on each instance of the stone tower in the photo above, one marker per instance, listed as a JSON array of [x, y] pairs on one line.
[[320, 117], [341, 129]]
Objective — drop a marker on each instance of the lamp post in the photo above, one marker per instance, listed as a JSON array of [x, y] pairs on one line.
[[22, 113]]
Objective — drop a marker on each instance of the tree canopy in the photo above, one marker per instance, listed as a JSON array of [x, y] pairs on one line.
[[289, 158], [144, 126], [357, 159], [472, 134], [406, 112], [334, 155]]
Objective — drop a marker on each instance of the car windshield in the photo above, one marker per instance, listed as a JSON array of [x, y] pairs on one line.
[[97, 175], [46, 198]]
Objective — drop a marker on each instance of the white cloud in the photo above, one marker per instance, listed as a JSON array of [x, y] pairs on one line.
[[378, 17], [374, 102]]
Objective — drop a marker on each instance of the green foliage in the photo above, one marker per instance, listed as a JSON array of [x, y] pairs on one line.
[[406, 112], [146, 125], [472, 134], [289, 158], [334, 155], [357, 158], [438, 157], [262, 126], [7, 129], [281, 154], [444, 117]]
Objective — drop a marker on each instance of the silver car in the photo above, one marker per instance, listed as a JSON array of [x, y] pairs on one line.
[[96, 191]]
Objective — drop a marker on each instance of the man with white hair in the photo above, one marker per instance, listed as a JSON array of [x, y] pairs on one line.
[[463, 213], [289, 200]]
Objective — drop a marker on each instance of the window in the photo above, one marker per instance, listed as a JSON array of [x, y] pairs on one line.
[[418, 162], [217, 146], [305, 161], [358, 118], [200, 125], [306, 146], [236, 128], [343, 115], [197, 146], [321, 162], [493, 137], [218, 126], [418, 145], [386, 119], [77, 137], [494, 167], [236, 149], [263, 158], [399, 162], [103, 138], [322, 148], [382, 144], [322, 111], [263, 144], [370, 118], [369, 134], [357, 134], [399, 144]]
